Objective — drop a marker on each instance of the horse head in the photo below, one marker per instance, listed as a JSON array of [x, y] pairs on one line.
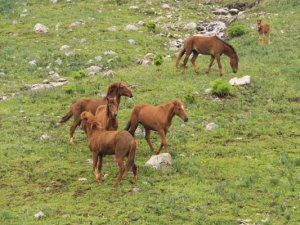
[[119, 89], [180, 111]]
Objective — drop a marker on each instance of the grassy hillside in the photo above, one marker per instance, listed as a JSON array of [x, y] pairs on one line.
[[248, 168]]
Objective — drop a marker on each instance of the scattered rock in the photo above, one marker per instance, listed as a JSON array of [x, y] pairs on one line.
[[148, 59], [207, 91], [4, 97], [207, 2], [95, 69], [98, 58], [240, 81], [241, 16], [45, 137], [39, 215], [64, 47], [211, 126], [233, 12], [40, 28], [221, 12], [22, 15], [133, 7], [132, 42], [160, 161], [113, 28], [46, 81], [109, 73], [139, 132], [82, 179], [130, 27], [53, 1], [141, 23], [58, 61], [14, 22], [105, 176], [54, 75], [77, 24], [32, 62], [82, 40], [212, 28], [109, 52], [190, 26], [165, 6], [136, 189], [90, 161], [46, 86], [57, 26], [62, 80]]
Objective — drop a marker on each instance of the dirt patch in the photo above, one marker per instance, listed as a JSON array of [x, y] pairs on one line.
[[80, 192]]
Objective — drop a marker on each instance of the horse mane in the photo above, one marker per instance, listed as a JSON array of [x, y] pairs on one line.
[[229, 45]]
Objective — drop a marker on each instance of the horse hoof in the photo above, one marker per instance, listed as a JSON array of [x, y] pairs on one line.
[[72, 141]]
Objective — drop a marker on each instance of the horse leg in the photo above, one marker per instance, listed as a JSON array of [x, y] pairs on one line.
[[195, 55], [147, 137], [163, 141], [268, 38], [95, 162], [99, 168], [212, 59], [218, 57], [260, 39], [73, 128], [134, 124], [134, 170], [121, 170], [187, 55]]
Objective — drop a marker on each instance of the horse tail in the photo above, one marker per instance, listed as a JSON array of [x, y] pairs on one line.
[[128, 125], [179, 55], [131, 156], [66, 117]]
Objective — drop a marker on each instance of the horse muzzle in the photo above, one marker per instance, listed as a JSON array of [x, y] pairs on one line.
[[186, 119]]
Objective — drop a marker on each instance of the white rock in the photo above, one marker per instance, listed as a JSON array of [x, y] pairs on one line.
[[45, 136], [221, 12], [57, 26], [165, 6], [53, 1], [109, 52], [160, 161], [141, 23], [240, 81], [95, 69], [77, 24], [39, 215], [82, 40], [233, 11], [55, 76], [133, 7], [3, 98], [136, 189], [113, 28], [109, 73], [211, 126], [130, 27], [82, 179], [23, 15], [132, 42], [32, 62], [58, 61], [46, 81], [105, 176], [207, 91], [40, 28], [98, 58], [190, 26], [64, 47], [139, 132], [14, 22]]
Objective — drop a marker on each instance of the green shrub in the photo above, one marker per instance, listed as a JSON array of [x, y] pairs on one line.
[[236, 30], [158, 60], [151, 26], [220, 88], [69, 89], [78, 75]]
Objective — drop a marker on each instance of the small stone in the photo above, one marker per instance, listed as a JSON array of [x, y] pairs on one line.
[[32, 62], [221, 12], [141, 23], [82, 179], [211, 126], [54, 75], [207, 91], [109, 52], [95, 69], [90, 161], [113, 28], [3, 98], [136, 189], [109, 73], [45, 136], [98, 58], [190, 26], [233, 11], [130, 28], [40, 28], [77, 24], [39, 215], [105, 176], [64, 47], [160, 161], [61, 80], [165, 6], [46, 82], [133, 7], [53, 1], [132, 42], [57, 26], [22, 15], [58, 61], [14, 22], [82, 40]]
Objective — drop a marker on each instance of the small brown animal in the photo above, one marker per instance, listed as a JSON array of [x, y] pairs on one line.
[[102, 142], [207, 45], [263, 31], [116, 89], [156, 118], [106, 115]]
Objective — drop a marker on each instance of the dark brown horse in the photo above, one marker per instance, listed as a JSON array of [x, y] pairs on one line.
[[102, 142], [106, 115], [207, 45], [116, 90], [156, 118]]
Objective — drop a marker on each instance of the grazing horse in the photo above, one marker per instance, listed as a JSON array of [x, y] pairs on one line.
[[207, 45], [263, 31], [156, 118], [106, 115], [116, 90], [102, 142]]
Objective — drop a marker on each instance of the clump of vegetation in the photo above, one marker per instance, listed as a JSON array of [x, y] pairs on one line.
[[190, 99], [151, 26], [220, 88], [236, 30], [78, 75], [158, 60], [69, 89]]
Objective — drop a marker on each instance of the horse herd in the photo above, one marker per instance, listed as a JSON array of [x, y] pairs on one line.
[[99, 118]]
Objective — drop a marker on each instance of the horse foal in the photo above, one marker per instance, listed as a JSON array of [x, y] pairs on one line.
[[263, 31]]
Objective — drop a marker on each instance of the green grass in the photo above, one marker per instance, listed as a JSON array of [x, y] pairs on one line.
[[248, 168]]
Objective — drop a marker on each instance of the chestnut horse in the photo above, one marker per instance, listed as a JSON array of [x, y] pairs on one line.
[[156, 118], [207, 45], [116, 90], [263, 31], [106, 115], [102, 142]]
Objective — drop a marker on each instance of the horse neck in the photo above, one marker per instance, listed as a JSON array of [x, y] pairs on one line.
[[229, 51], [111, 121], [170, 112], [115, 95]]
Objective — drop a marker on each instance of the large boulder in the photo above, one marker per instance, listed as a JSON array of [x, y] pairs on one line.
[[161, 161]]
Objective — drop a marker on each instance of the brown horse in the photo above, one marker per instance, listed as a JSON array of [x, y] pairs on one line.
[[116, 90], [106, 115], [263, 31], [102, 142], [156, 118], [206, 45]]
